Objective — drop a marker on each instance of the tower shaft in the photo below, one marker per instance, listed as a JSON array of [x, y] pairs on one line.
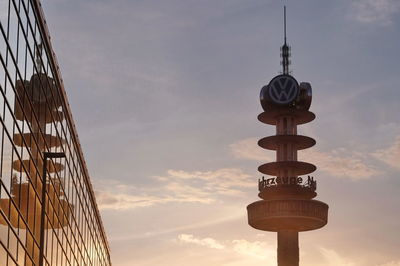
[[288, 248]]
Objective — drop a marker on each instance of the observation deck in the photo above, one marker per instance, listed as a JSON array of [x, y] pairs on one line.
[[287, 214], [286, 198]]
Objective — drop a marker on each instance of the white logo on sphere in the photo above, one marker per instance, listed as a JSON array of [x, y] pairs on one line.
[[283, 89]]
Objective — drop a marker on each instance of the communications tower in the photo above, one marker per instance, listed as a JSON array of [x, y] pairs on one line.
[[287, 205]]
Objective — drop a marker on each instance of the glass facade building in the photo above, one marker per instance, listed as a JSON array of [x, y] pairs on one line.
[[48, 212]]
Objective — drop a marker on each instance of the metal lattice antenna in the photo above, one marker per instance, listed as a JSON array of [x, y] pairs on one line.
[[285, 49]]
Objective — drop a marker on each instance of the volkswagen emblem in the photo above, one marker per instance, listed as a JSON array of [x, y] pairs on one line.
[[283, 89]]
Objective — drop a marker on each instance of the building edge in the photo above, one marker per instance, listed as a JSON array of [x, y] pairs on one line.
[[39, 13]]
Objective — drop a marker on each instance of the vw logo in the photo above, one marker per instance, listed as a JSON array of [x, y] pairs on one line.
[[283, 89]]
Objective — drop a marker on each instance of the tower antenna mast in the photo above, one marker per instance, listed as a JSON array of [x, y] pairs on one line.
[[285, 49], [284, 21]]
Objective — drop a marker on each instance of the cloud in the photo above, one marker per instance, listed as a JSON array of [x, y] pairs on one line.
[[122, 201], [220, 179], [379, 12], [256, 249], [175, 186], [207, 242], [266, 253], [392, 263], [332, 258], [391, 155], [207, 184], [340, 163], [113, 198], [248, 149]]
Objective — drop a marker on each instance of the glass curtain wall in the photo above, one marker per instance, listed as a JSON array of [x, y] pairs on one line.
[[35, 118]]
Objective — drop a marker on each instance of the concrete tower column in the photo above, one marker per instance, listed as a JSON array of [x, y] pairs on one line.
[[288, 248]]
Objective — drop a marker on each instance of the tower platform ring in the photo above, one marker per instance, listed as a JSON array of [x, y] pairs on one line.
[[51, 141], [287, 192], [301, 116], [300, 142], [30, 166], [287, 214], [42, 113], [297, 168], [15, 216]]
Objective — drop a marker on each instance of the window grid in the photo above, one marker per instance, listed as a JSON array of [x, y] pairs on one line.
[[35, 117]]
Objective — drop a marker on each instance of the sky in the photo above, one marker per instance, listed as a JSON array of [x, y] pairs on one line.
[[164, 94]]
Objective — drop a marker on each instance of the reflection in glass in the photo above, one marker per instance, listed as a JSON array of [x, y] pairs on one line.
[[35, 118], [38, 107]]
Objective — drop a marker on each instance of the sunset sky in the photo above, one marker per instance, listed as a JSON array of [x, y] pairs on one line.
[[164, 94]]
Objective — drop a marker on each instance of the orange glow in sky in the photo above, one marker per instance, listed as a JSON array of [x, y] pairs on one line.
[[165, 99]]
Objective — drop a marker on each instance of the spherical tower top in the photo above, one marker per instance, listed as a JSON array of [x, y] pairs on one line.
[[283, 91]]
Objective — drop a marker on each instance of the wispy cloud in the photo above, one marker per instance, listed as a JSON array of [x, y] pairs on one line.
[[121, 201], [205, 185], [220, 180], [207, 242], [392, 263], [175, 186], [332, 258], [379, 12], [265, 252], [248, 149], [390, 155], [254, 249], [341, 163]]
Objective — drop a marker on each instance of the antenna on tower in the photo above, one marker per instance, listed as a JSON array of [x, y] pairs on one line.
[[285, 49], [284, 22]]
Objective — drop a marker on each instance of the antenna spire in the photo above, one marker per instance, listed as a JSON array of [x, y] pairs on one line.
[[284, 22], [285, 49]]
